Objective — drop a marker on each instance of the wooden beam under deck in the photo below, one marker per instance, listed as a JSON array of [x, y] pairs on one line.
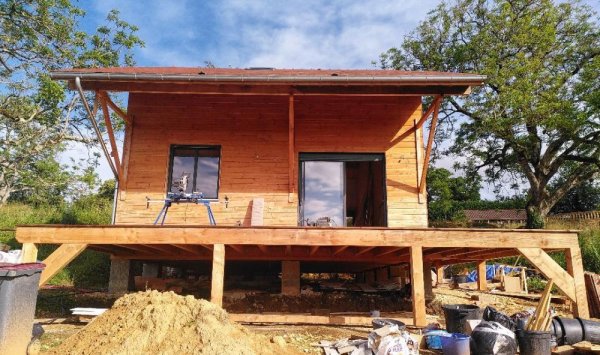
[[310, 236]]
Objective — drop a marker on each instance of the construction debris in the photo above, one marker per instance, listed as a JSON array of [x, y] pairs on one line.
[[153, 322], [542, 318], [592, 285]]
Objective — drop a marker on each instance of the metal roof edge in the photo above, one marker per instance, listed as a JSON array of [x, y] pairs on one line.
[[466, 79]]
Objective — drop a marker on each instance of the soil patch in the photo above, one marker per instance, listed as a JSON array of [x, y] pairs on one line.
[[154, 322]]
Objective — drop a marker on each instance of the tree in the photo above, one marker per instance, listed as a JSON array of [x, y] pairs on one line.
[[537, 115], [445, 194], [38, 115], [585, 197]]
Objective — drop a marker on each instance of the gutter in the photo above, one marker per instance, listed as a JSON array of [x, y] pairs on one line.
[[404, 79]]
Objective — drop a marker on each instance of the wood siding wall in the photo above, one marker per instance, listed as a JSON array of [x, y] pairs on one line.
[[253, 134]]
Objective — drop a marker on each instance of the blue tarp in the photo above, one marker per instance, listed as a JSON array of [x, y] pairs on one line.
[[490, 271]]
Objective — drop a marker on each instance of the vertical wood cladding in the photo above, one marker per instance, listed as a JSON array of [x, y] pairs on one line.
[[253, 134]]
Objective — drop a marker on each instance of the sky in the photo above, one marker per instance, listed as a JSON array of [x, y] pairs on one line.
[[280, 34]]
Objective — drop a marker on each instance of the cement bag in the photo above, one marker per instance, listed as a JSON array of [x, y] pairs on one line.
[[11, 257], [492, 338]]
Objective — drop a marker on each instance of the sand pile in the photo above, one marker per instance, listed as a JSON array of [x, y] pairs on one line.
[[154, 322]]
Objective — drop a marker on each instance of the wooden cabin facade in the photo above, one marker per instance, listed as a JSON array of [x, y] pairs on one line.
[[306, 167]]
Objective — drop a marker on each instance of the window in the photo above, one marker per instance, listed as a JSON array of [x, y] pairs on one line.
[[195, 169]]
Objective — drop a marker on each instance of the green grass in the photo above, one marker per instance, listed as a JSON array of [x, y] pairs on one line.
[[90, 269]]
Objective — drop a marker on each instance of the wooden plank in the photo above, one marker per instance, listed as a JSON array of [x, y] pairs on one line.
[[549, 268], [290, 278], [481, 276], [313, 250], [218, 275], [575, 269], [430, 140], [362, 251], [29, 253], [417, 286], [59, 259], [333, 319], [338, 250], [425, 237], [440, 273]]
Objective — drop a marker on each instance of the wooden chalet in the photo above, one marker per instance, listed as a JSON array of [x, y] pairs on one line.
[[316, 169]]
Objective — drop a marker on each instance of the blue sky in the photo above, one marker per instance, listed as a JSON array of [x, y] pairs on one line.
[[281, 34]]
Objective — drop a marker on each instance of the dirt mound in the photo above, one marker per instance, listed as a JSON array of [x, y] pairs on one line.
[[154, 322]]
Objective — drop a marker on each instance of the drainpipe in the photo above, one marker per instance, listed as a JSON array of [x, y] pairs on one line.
[[102, 144]]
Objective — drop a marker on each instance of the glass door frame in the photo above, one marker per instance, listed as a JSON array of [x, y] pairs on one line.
[[342, 158]]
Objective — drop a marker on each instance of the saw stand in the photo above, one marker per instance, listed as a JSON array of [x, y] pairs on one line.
[[181, 197]]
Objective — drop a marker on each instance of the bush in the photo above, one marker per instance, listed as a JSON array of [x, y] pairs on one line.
[[90, 268], [589, 242]]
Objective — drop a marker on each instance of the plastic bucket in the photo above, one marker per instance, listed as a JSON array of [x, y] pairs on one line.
[[18, 296], [533, 342], [571, 331], [456, 316], [433, 338], [456, 344], [591, 330]]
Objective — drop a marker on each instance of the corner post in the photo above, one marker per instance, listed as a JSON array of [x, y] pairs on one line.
[[218, 274], [575, 269], [481, 276], [418, 285]]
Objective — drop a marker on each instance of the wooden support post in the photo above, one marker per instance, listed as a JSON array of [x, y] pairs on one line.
[[575, 269], [381, 275], [290, 278], [59, 259], [440, 274], [481, 276], [291, 151], [218, 274], [427, 280], [370, 277], [29, 253], [417, 285]]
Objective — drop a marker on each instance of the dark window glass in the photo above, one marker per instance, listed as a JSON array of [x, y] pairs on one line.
[[195, 169]]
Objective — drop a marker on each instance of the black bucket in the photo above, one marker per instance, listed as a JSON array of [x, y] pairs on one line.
[[591, 330], [533, 342], [457, 315], [569, 331]]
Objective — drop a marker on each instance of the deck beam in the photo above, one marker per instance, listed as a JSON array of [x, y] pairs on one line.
[[282, 236], [218, 275]]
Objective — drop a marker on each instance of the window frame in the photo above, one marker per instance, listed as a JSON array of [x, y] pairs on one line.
[[197, 148]]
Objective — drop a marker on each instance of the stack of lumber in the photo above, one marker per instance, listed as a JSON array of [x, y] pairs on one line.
[[592, 285], [542, 318]]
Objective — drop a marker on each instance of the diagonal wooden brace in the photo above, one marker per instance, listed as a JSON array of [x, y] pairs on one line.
[[549, 268], [59, 259]]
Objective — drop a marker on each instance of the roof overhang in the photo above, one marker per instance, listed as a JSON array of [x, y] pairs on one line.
[[307, 82]]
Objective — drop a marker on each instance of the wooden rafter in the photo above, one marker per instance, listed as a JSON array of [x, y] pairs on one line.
[[313, 249], [237, 248], [339, 249], [365, 250], [390, 251]]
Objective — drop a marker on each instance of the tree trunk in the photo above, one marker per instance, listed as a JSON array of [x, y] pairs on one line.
[[536, 212]]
